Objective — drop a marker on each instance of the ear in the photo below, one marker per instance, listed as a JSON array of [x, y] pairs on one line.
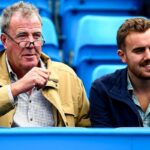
[[122, 55], [4, 40]]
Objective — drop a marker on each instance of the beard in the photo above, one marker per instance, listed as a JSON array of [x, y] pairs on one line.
[[139, 72]]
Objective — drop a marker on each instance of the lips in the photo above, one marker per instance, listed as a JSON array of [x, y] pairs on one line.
[[145, 63], [28, 54]]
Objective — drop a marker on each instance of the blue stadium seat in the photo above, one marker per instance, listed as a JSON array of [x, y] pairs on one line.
[[71, 11], [1, 46], [42, 5], [102, 70], [51, 44], [96, 44]]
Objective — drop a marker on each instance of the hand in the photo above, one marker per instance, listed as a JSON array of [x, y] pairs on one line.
[[36, 77]]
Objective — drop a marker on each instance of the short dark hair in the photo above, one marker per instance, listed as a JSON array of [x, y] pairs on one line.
[[131, 25]]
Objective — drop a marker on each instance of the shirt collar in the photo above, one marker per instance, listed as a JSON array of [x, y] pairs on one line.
[[13, 75], [130, 89], [129, 85]]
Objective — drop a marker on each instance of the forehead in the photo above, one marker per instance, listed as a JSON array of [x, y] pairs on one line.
[[135, 39], [19, 23]]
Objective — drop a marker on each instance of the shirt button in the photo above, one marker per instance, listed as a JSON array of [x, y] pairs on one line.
[[30, 101], [31, 119]]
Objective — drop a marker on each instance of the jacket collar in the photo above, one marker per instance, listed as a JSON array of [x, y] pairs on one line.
[[4, 75], [119, 90], [53, 83], [53, 77]]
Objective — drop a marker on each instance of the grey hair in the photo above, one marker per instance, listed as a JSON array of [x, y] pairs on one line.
[[25, 9]]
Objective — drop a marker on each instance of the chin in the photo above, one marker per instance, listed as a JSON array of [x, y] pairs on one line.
[[145, 76], [29, 66]]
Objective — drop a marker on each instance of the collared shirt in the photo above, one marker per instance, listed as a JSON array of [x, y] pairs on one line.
[[145, 116], [32, 110]]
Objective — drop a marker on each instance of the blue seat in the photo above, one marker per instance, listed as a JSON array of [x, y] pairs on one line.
[[71, 11], [51, 43], [102, 70], [95, 45], [42, 5], [1, 46]]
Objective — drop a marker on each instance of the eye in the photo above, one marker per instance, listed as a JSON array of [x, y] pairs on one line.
[[37, 36], [139, 50], [21, 36]]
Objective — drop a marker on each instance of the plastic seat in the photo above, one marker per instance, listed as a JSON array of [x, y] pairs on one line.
[[1, 46], [102, 70], [51, 43], [96, 45], [96, 38], [71, 11]]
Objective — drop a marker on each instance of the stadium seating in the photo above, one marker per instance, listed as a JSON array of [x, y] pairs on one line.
[[96, 44], [102, 70], [51, 43], [61, 138], [1, 46], [42, 5], [71, 11]]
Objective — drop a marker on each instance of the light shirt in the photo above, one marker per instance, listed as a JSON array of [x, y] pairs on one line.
[[145, 116], [31, 110]]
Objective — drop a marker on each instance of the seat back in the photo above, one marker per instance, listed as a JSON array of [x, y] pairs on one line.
[[96, 38], [1, 45], [102, 70], [51, 43], [71, 11]]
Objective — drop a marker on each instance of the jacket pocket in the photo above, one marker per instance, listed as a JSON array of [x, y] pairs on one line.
[[70, 115]]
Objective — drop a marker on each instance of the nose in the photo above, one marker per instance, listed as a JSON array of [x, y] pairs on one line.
[[30, 43], [31, 38], [147, 53]]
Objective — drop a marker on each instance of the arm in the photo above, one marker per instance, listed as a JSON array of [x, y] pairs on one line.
[[36, 77], [5, 100], [99, 106], [83, 118]]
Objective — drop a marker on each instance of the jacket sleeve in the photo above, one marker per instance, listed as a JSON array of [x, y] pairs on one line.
[[5, 102], [83, 103], [100, 115]]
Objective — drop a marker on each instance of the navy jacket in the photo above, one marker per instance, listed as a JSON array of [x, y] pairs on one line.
[[111, 104]]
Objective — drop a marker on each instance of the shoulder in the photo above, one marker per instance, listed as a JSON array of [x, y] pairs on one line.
[[110, 79], [62, 68]]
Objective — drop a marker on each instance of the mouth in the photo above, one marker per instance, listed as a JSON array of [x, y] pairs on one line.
[[147, 67], [29, 56]]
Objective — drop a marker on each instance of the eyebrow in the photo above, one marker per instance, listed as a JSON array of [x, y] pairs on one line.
[[26, 33], [139, 48]]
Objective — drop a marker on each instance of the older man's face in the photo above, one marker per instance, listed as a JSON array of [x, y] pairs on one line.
[[23, 29]]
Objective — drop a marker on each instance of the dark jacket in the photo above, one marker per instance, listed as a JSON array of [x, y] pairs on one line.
[[111, 104]]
